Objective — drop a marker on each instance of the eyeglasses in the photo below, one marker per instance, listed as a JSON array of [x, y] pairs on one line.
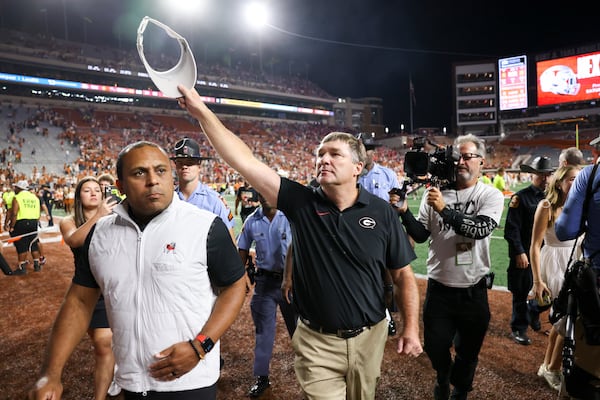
[[469, 156]]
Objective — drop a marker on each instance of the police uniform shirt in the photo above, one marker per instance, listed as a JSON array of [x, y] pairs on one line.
[[208, 199], [272, 239], [455, 260], [379, 181], [519, 219], [339, 256]]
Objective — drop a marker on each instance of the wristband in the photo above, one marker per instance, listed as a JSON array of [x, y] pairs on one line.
[[191, 342], [205, 342], [388, 288]]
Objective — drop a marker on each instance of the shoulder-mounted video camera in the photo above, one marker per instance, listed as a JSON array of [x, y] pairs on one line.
[[437, 168]]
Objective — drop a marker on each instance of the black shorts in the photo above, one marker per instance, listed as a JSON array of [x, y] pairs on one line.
[[99, 318], [23, 227]]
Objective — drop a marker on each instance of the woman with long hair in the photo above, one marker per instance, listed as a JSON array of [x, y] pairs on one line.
[[88, 207], [549, 262]]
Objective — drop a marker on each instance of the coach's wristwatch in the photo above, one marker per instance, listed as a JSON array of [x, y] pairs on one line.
[[205, 342]]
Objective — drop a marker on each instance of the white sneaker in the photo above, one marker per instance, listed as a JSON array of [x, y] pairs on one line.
[[553, 378], [542, 370]]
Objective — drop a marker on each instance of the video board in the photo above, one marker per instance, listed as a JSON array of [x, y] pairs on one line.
[[512, 83], [568, 79]]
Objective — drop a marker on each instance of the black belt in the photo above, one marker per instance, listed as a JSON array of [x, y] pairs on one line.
[[440, 286], [341, 333], [270, 274]]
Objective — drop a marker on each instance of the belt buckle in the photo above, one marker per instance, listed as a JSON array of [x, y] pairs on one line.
[[349, 333]]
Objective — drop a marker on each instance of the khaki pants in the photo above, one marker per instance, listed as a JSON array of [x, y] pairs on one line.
[[328, 367]]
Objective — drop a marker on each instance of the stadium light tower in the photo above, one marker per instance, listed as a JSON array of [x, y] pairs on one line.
[[257, 17]]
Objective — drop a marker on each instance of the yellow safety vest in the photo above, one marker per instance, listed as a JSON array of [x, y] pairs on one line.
[[8, 197], [29, 205]]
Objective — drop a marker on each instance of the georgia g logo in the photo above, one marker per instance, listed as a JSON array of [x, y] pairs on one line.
[[367, 222]]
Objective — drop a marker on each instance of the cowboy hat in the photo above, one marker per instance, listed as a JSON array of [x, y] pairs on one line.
[[539, 165]]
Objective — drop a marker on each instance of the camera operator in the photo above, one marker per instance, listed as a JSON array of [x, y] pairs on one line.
[[584, 380], [459, 221]]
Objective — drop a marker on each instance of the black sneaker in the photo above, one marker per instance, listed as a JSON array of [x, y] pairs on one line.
[[441, 392], [260, 385], [36, 266], [458, 395], [520, 338], [21, 270]]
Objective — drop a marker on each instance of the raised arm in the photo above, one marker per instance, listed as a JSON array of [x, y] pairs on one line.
[[74, 236], [230, 147]]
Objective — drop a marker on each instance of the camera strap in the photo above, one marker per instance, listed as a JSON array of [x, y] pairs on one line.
[[584, 212]]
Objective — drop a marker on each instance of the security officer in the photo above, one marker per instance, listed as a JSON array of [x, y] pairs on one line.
[[48, 199], [270, 230], [379, 180], [7, 198], [187, 166], [23, 221], [517, 232]]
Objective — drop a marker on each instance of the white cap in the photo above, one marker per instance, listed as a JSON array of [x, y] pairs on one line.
[[22, 184], [183, 73]]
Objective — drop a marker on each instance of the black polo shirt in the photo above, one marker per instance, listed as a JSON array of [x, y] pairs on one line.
[[340, 256]]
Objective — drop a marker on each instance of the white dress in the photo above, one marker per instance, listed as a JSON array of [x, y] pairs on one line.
[[554, 257]]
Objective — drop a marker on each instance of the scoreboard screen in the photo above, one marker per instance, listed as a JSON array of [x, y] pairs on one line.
[[512, 77]]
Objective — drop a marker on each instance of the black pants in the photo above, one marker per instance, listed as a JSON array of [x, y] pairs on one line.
[[207, 393], [520, 282], [460, 317]]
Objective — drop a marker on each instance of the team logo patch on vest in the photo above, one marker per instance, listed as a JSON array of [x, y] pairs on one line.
[[367, 222], [170, 248]]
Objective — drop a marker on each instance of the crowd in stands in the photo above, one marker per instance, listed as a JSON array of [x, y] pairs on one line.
[[113, 59], [96, 137]]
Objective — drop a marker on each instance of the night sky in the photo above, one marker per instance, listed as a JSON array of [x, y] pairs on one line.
[[351, 48]]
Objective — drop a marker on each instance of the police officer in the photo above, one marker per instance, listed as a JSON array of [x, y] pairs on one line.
[[48, 199], [517, 232], [270, 230], [379, 180], [187, 166]]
